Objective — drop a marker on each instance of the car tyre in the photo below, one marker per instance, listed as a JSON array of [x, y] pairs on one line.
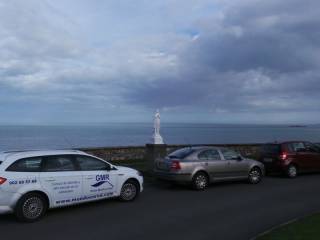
[[129, 191], [292, 171], [255, 175], [200, 181], [31, 207]]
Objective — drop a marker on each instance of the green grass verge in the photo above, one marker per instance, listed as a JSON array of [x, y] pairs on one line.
[[305, 229]]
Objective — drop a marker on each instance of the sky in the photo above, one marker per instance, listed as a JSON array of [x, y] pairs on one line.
[[213, 61]]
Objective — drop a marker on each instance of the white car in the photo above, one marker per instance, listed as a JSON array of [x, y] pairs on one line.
[[33, 181]]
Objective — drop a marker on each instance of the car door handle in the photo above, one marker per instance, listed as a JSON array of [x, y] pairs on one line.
[[89, 178], [50, 180]]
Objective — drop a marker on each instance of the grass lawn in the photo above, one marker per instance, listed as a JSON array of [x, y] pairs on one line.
[[304, 229]]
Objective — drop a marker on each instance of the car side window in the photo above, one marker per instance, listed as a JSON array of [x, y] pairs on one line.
[[229, 154], [298, 147], [311, 147], [87, 163], [59, 164], [26, 165], [209, 155]]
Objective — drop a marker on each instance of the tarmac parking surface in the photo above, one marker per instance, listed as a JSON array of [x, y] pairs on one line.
[[233, 210]]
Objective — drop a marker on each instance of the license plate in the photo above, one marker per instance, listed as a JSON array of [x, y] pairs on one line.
[[267, 159]]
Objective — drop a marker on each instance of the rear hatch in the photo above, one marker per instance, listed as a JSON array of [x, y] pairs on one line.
[[163, 164], [270, 153], [172, 161]]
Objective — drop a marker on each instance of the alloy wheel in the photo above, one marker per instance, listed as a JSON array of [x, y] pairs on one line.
[[32, 208], [255, 176], [128, 191], [201, 181], [292, 171]]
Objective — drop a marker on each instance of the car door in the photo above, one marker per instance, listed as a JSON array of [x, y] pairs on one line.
[[99, 180], [313, 154], [61, 179], [213, 163], [236, 167], [301, 157]]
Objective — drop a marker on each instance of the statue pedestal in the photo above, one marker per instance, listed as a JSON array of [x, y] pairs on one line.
[[154, 151], [157, 139]]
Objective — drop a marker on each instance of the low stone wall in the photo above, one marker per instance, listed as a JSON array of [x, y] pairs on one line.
[[118, 153], [139, 153]]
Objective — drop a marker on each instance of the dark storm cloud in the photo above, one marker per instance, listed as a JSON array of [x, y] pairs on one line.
[[259, 56]]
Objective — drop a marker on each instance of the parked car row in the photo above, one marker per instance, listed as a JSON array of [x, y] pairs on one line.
[[31, 182]]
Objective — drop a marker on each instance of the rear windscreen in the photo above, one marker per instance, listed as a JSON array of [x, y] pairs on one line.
[[181, 153], [271, 149]]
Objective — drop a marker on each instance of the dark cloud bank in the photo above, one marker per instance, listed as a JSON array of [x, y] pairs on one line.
[[260, 56]]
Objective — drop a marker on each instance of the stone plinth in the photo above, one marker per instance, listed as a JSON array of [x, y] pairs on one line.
[[154, 151]]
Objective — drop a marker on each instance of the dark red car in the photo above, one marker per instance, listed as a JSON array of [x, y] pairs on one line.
[[291, 158]]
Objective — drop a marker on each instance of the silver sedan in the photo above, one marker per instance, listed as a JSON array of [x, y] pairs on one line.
[[203, 165]]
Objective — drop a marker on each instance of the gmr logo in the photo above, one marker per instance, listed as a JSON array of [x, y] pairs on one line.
[[101, 179]]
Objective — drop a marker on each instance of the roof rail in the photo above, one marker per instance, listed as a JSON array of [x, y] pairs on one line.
[[35, 150]]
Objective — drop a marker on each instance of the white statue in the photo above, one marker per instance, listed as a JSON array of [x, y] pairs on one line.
[[157, 139]]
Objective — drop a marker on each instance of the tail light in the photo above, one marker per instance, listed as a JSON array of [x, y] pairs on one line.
[[2, 180], [283, 156], [175, 165]]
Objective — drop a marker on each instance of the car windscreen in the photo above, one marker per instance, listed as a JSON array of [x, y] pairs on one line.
[[181, 153], [271, 149]]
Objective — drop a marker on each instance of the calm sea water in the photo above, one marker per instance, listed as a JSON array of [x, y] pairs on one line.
[[55, 137]]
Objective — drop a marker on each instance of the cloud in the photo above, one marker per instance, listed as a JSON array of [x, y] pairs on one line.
[[208, 58], [252, 57]]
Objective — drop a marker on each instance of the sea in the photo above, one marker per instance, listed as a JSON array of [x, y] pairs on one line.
[[138, 134]]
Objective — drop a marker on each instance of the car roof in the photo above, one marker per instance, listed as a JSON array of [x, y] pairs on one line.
[[203, 147], [283, 142], [35, 153]]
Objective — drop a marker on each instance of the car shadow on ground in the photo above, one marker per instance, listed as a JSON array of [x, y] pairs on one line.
[[172, 186], [8, 219], [283, 176]]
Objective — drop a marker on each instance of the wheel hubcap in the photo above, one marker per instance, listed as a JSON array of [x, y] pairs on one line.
[[128, 191], [254, 175], [201, 181], [292, 171], [32, 208]]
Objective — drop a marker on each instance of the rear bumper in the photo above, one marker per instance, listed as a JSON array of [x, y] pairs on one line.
[[275, 167], [5, 209], [8, 201], [175, 177]]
